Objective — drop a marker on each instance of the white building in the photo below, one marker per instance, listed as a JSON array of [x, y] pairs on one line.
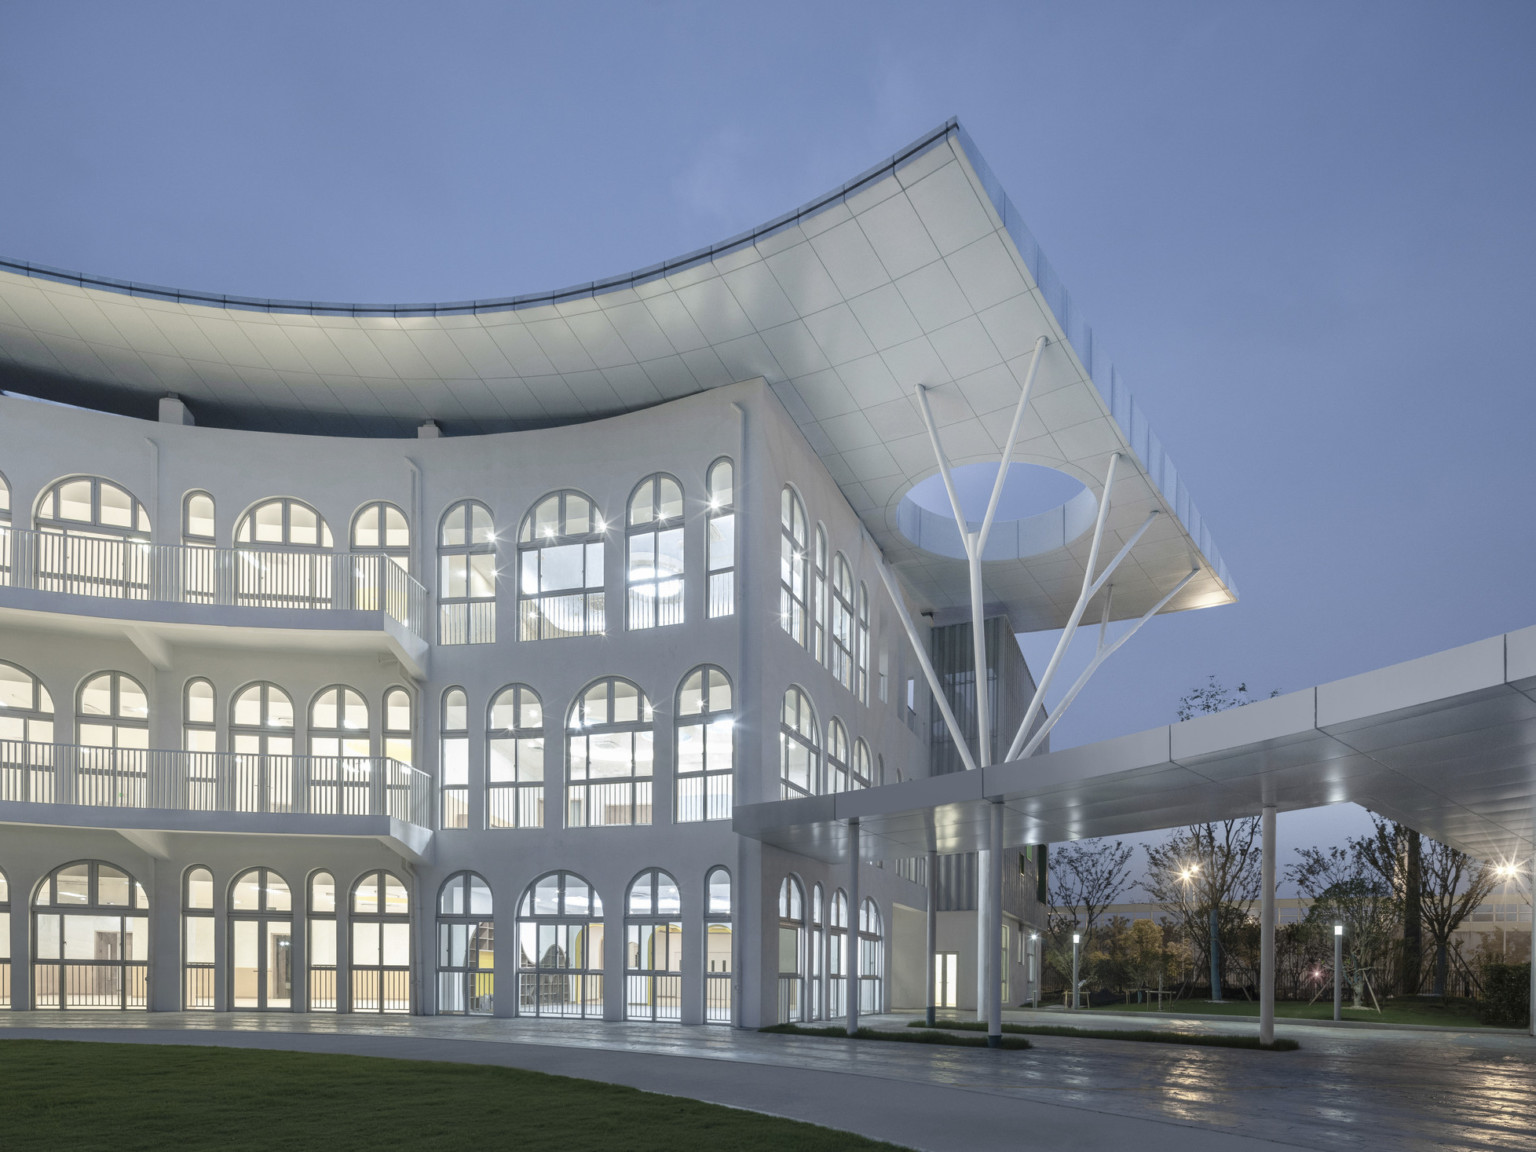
[[445, 625]]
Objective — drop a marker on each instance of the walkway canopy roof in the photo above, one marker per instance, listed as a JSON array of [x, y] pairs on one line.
[[918, 272], [1445, 744]]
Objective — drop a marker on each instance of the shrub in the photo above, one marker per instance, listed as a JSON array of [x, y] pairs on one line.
[[1506, 995]]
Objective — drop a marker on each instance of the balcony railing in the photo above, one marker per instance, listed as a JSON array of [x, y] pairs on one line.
[[234, 577], [214, 781]]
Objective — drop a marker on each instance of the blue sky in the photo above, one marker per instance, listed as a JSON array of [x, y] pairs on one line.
[[1303, 231]]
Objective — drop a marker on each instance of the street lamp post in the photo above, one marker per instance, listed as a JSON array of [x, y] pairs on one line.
[[1034, 967], [1077, 941], [1338, 971]]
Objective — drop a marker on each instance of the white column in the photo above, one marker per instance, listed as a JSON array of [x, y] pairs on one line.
[[851, 940], [995, 920], [985, 931], [932, 968], [1267, 931]]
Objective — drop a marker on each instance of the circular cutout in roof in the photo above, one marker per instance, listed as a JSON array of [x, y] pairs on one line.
[[1039, 511]]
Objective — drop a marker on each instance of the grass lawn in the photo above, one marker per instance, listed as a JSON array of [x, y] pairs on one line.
[[1452, 1013], [127, 1097]]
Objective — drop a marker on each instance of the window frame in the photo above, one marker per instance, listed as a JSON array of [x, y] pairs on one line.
[[650, 601], [720, 527], [527, 807], [794, 552], [638, 785], [716, 785], [533, 614]]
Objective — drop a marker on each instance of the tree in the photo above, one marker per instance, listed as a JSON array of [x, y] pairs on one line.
[[1207, 866], [1213, 696], [1395, 853], [1086, 877], [1453, 885], [1344, 888]]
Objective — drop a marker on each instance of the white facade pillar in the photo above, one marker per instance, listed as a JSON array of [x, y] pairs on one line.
[[931, 967], [985, 932], [995, 921], [1267, 931], [851, 940]]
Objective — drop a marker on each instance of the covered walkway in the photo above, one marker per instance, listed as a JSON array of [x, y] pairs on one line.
[[1386, 1090]]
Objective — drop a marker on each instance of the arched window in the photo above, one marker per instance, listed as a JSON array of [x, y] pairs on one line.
[[5, 501], [90, 938], [26, 708], [608, 748], [5, 931], [453, 801], [861, 653], [112, 726], [399, 726], [198, 980], [720, 529], [837, 955], [816, 958], [799, 747], [380, 527], [560, 948], [819, 599], [283, 522], [198, 562], [339, 747], [793, 615], [466, 947], [200, 738], [791, 951], [718, 964], [655, 570], [514, 770], [198, 526], [113, 712], [283, 561], [466, 589], [705, 744], [338, 723], [653, 948], [837, 756], [560, 569], [90, 536], [381, 944], [261, 737], [381, 547], [862, 771], [260, 941], [26, 728], [871, 959], [842, 621], [322, 942]]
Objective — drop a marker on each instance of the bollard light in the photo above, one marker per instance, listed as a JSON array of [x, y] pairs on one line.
[[1338, 929]]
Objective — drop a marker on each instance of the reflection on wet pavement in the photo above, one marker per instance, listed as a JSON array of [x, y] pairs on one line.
[[1379, 1089]]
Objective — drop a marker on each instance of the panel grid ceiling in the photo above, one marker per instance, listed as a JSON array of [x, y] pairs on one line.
[[909, 276]]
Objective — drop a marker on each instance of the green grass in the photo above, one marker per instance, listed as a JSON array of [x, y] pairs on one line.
[[1146, 1035], [1451, 1013], [138, 1098], [924, 1037]]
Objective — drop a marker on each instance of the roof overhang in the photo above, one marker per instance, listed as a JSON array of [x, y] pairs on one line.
[[1445, 744], [919, 272]]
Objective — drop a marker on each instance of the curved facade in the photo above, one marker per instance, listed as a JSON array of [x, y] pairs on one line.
[[337, 708]]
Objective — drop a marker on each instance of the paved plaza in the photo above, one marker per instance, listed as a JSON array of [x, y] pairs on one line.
[[1347, 1088]]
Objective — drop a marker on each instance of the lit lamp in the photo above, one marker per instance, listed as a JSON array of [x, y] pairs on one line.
[[1077, 941], [1338, 969]]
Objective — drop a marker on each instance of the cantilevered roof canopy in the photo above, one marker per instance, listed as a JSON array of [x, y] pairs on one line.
[[918, 272], [1445, 744]]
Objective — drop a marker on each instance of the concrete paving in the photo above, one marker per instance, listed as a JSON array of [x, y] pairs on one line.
[[1346, 1090]]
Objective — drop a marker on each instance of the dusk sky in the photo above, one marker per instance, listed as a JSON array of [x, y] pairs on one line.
[[1304, 232]]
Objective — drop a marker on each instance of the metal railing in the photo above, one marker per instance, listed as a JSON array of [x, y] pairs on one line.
[[214, 781], [126, 569]]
